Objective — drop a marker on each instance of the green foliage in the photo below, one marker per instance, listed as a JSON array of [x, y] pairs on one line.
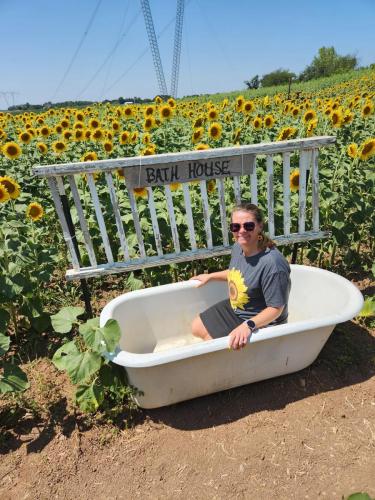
[[277, 77], [63, 321], [368, 309], [359, 496], [327, 63], [84, 359], [12, 378]]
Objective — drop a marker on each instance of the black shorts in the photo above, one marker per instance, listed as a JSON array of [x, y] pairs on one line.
[[220, 319]]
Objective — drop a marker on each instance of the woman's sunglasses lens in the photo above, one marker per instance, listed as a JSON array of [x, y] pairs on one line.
[[234, 227], [249, 226]]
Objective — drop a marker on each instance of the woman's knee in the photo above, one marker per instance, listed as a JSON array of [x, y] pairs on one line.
[[199, 330]]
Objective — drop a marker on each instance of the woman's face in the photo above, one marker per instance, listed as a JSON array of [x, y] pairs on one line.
[[243, 237]]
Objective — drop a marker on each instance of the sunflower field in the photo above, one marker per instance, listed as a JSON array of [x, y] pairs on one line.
[[33, 256]]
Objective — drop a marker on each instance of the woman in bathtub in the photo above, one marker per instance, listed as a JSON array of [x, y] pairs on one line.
[[258, 283]]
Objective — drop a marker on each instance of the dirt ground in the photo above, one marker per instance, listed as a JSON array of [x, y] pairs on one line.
[[308, 435]]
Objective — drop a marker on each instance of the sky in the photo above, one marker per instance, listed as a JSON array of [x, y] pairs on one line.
[[98, 49]]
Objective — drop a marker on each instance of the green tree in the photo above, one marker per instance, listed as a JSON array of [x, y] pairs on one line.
[[327, 63], [277, 77], [253, 83]]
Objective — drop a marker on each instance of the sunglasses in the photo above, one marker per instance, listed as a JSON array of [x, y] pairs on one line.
[[235, 226]]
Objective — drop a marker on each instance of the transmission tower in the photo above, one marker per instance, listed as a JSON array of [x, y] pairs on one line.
[[177, 46], [154, 46]]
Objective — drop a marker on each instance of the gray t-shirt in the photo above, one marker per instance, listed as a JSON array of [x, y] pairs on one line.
[[257, 282]]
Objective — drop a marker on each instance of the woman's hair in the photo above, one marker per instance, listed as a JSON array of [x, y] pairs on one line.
[[245, 206]]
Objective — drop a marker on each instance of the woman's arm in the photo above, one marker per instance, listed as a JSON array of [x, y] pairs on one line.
[[239, 336], [204, 278]]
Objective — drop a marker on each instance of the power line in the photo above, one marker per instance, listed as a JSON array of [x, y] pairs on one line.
[[111, 52], [78, 48], [144, 52]]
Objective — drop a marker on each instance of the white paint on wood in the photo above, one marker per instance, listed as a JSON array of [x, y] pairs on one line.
[[303, 161], [172, 218], [82, 220], [252, 149], [270, 197], [206, 213], [201, 253], [223, 211], [137, 225], [189, 216], [254, 185], [286, 192], [63, 222], [154, 221], [116, 211], [237, 189], [99, 217], [315, 189]]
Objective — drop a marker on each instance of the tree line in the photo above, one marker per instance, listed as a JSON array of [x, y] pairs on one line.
[[326, 63]]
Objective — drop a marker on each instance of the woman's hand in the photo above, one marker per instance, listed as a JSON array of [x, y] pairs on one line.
[[239, 337], [203, 278]]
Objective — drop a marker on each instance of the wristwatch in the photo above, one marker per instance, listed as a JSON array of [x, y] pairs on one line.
[[250, 323]]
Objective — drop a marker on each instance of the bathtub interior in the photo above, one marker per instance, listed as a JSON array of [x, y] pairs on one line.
[[160, 319]]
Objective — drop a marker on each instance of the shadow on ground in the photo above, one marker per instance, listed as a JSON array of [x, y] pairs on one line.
[[348, 358]]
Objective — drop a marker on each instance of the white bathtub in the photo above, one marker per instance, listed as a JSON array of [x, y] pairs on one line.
[[168, 364]]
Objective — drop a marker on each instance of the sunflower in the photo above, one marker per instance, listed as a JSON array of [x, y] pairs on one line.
[[286, 133], [237, 289], [202, 146], [237, 135], [352, 150], [64, 123], [140, 192], [212, 114], [78, 125], [128, 112], [146, 138], [269, 121], [309, 115], [294, 180], [11, 186], [42, 148], [336, 118], [239, 102], [257, 122], [89, 156], [197, 135], [34, 211], [215, 131], [149, 123], [87, 133], [25, 137], [11, 150], [175, 186], [166, 112], [78, 135], [295, 112], [4, 195], [158, 100], [67, 134], [58, 129], [120, 174], [347, 117], [211, 185], [149, 111], [311, 127], [94, 123], [134, 137], [248, 107], [124, 137], [80, 116], [108, 146], [59, 147], [116, 126], [97, 134], [45, 131], [198, 122], [367, 149], [367, 109], [149, 150], [171, 102]]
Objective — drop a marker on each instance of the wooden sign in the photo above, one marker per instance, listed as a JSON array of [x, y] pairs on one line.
[[159, 174]]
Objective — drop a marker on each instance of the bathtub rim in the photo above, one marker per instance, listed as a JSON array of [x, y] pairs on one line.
[[144, 360]]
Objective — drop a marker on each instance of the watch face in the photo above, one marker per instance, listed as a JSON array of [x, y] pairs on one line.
[[250, 323]]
